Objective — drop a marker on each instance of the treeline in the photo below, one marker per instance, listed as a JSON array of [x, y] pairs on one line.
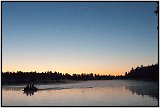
[[49, 76], [19, 77], [144, 73]]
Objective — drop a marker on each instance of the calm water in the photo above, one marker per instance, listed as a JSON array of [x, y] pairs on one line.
[[85, 93]]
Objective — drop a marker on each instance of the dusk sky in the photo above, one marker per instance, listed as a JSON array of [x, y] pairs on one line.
[[78, 37]]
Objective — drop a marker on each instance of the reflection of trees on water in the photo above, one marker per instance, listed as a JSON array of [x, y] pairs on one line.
[[151, 91]]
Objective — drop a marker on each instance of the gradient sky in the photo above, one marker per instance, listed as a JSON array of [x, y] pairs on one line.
[[78, 37]]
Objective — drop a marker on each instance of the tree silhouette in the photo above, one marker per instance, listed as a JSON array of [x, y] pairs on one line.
[[157, 13], [157, 10], [143, 73]]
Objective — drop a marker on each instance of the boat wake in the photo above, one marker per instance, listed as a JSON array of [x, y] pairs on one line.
[[60, 88]]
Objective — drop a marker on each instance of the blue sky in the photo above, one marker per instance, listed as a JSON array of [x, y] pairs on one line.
[[79, 37]]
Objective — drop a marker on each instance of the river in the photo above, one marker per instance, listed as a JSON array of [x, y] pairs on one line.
[[85, 93]]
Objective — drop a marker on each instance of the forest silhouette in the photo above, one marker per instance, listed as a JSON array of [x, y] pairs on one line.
[[148, 73]]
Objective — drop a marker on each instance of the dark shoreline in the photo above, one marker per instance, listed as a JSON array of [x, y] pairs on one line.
[[146, 73]]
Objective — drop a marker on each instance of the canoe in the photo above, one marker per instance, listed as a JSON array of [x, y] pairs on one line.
[[30, 89]]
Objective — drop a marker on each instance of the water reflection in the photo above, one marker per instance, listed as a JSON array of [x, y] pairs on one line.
[[144, 90], [13, 88], [29, 93], [89, 93]]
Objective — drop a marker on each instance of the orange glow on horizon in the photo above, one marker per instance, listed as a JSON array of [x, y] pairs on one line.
[[72, 67], [110, 71]]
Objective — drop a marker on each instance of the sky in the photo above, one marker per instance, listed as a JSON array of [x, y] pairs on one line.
[[78, 37]]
